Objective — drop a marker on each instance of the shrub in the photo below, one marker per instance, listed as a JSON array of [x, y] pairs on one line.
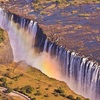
[[7, 75], [46, 95], [58, 1], [63, 95], [46, 88], [8, 90], [37, 93], [38, 87], [55, 94], [21, 75], [23, 91], [4, 84], [27, 89], [10, 82], [1, 35], [78, 98], [59, 90], [3, 79], [70, 97], [33, 98], [0, 84], [87, 99], [17, 89]]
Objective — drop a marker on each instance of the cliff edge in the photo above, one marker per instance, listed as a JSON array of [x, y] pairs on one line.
[[6, 54]]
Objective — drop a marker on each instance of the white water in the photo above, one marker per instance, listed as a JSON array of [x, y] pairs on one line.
[[82, 75]]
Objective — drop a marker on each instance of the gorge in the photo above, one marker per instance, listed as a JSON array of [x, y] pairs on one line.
[[29, 43]]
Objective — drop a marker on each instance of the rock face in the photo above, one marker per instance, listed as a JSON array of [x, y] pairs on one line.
[[82, 74], [75, 27], [6, 54]]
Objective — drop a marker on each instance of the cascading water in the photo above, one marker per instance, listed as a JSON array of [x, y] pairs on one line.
[[30, 44]]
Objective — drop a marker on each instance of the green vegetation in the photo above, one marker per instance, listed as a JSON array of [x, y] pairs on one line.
[[8, 90], [41, 4], [3, 79], [33, 98], [59, 90], [86, 99], [48, 6], [1, 35], [38, 93], [46, 95], [27, 89], [84, 15], [78, 98], [70, 97], [34, 83]]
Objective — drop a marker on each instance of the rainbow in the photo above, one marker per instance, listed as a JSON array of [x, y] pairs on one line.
[[31, 45], [22, 42]]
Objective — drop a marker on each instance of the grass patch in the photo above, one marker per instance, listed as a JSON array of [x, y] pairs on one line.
[[84, 15], [41, 4], [28, 84], [1, 35]]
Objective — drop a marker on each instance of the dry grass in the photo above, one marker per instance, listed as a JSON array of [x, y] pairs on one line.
[[35, 78], [1, 35]]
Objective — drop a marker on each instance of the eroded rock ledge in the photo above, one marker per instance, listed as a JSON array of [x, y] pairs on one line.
[[6, 53]]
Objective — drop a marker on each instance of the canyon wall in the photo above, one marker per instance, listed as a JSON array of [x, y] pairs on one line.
[[6, 53], [30, 44]]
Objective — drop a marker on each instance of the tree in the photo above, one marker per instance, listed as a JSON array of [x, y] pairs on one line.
[[27, 89]]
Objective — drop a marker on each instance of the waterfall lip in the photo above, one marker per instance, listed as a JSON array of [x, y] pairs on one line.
[[36, 24], [71, 56], [31, 18]]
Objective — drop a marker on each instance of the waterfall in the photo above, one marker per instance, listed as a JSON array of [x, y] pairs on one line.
[[30, 44]]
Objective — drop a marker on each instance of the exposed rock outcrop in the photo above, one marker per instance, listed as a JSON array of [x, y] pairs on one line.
[[6, 53]]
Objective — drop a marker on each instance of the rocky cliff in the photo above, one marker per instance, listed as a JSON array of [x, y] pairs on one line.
[[6, 54]]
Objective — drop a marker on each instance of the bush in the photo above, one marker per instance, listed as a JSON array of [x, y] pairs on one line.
[[8, 90], [46, 95], [4, 84], [23, 91], [58, 1], [63, 95], [87, 99], [46, 88], [55, 94], [37, 93], [7, 75], [78, 98], [33, 98], [17, 89], [3, 79], [70, 97], [59, 90], [1, 35], [27, 89]]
